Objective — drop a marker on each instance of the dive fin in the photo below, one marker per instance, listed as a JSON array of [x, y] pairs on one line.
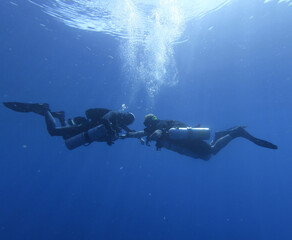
[[38, 108], [241, 132], [264, 143]]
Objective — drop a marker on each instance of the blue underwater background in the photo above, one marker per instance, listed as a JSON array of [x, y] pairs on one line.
[[234, 69]]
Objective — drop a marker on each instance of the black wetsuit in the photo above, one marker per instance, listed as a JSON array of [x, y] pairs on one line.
[[115, 120], [112, 120], [199, 148], [75, 126]]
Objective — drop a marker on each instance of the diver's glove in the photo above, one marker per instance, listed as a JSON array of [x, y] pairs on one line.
[[110, 143], [111, 136], [158, 145], [124, 136], [147, 143]]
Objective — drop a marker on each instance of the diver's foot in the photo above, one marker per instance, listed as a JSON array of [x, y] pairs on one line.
[[60, 115], [264, 143], [239, 131], [38, 108], [232, 131]]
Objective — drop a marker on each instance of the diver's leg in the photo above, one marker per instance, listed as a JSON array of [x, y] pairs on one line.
[[54, 130], [220, 143], [111, 133], [51, 123], [223, 133], [60, 116], [236, 132], [222, 138], [63, 122]]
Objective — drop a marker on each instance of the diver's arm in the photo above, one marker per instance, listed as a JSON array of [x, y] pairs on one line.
[[107, 124], [110, 128], [127, 129], [138, 135]]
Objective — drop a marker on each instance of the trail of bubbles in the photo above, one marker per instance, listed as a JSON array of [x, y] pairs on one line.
[[151, 60], [149, 30]]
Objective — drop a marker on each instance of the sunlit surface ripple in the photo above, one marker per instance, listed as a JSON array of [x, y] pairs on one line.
[[148, 30]]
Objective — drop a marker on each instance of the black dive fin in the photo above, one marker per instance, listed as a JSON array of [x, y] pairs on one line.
[[264, 143], [241, 132], [38, 108]]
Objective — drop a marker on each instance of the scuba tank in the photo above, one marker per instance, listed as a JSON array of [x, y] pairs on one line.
[[97, 134], [184, 150], [177, 139], [189, 133]]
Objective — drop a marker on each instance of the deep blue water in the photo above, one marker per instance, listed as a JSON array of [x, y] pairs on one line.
[[237, 73]]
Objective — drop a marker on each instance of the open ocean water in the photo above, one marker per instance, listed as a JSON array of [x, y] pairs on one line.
[[214, 62]]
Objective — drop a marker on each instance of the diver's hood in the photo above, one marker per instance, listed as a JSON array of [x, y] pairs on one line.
[[128, 118], [149, 119]]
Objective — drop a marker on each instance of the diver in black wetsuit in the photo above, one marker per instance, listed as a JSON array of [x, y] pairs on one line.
[[157, 130], [113, 121]]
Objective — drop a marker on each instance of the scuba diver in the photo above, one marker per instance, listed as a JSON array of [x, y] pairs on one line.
[[181, 138], [100, 124]]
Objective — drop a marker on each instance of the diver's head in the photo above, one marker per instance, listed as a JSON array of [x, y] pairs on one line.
[[128, 118], [150, 120]]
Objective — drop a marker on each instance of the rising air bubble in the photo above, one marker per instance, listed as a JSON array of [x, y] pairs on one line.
[[148, 29]]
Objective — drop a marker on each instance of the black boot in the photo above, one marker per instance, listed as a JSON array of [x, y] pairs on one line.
[[60, 116], [233, 130]]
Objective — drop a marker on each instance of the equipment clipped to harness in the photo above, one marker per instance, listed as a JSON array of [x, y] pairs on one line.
[[97, 134], [189, 133]]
